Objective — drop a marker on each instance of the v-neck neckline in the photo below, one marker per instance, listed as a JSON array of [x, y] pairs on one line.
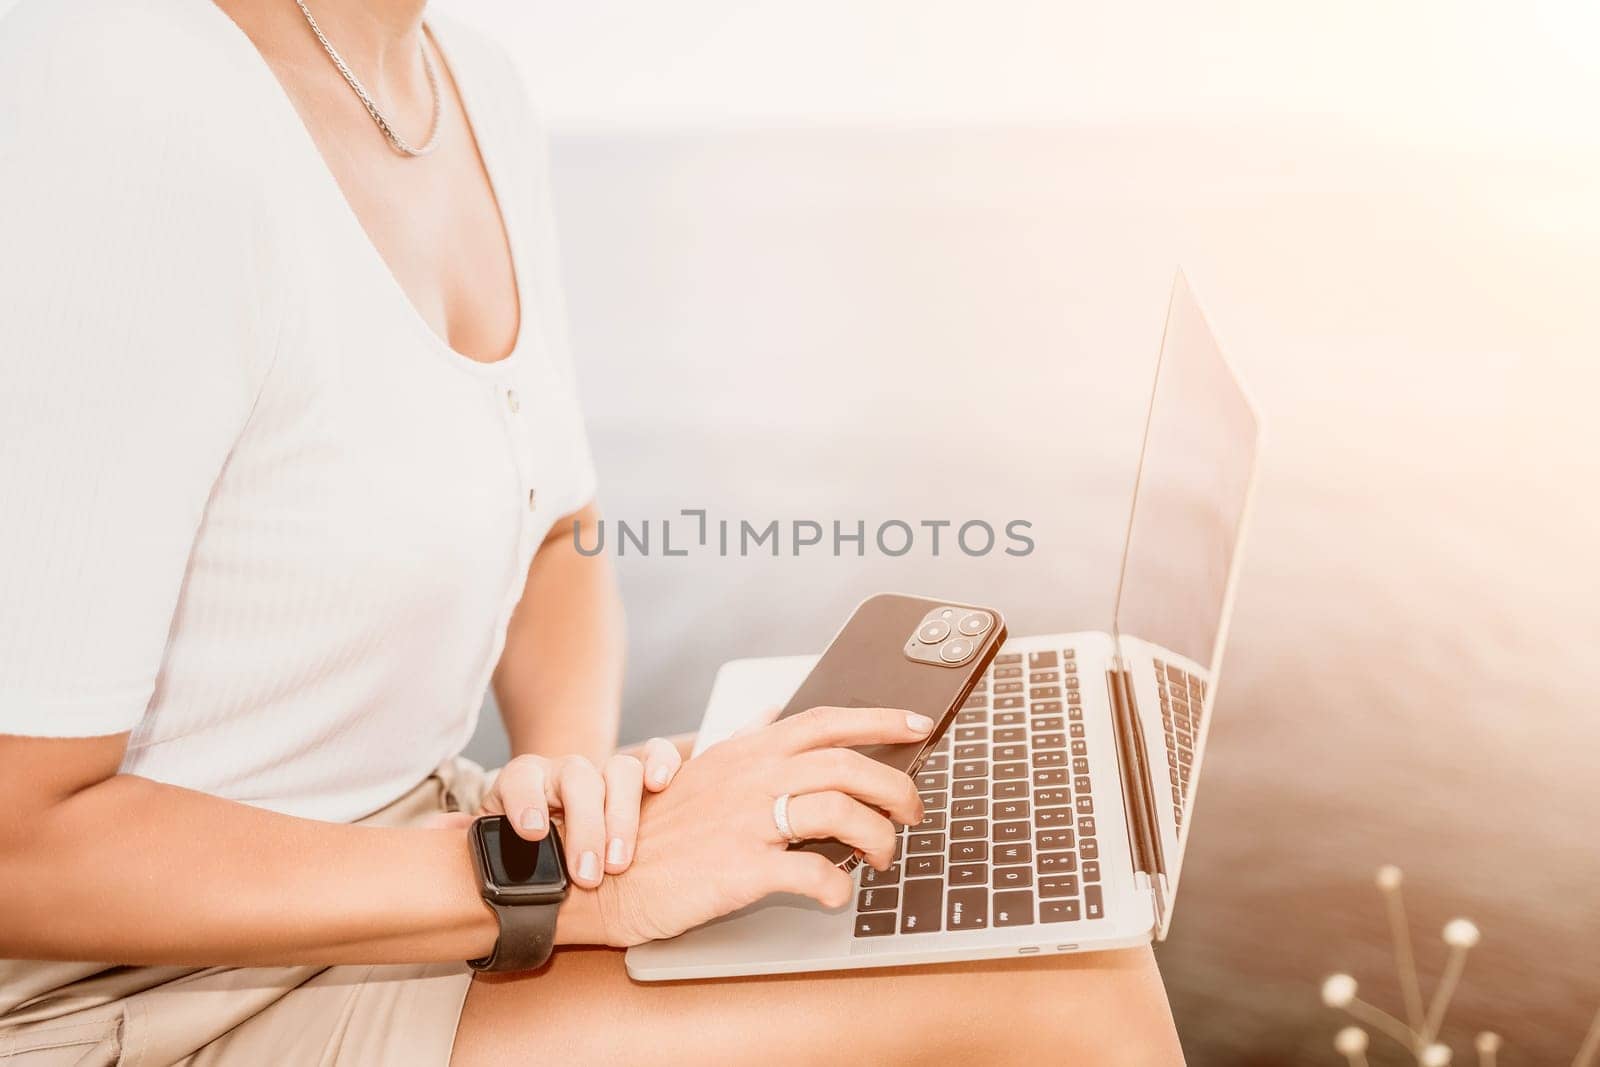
[[341, 203]]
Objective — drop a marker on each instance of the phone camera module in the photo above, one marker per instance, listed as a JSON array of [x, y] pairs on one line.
[[933, 631], [956, 651], [974, 624]]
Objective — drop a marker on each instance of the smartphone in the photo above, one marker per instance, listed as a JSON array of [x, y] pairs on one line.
[[898, 651]]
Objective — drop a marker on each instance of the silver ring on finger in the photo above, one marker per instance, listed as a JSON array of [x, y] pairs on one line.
[[780, 819]]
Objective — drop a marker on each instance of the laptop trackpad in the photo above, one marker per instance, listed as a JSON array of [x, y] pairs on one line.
[[781, 927]]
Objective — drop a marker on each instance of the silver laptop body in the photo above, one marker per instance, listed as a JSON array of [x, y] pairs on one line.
[[1059, 801]]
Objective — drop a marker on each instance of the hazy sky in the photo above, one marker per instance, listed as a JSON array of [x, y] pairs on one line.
[[1442, 69]]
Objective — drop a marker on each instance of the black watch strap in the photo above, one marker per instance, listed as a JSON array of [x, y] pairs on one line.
[[527, 937]]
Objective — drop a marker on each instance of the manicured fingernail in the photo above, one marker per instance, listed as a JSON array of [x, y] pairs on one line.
[[589, 867], [920, 723], [659, 776], [616, 852], [532, 820]]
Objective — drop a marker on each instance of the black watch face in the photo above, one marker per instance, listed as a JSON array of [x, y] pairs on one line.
[[517, 864]]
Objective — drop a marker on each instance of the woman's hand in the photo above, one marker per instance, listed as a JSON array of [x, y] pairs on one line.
[[710, 845], [598, 806]]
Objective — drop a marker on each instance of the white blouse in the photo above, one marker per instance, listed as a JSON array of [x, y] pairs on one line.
[[255, 510]]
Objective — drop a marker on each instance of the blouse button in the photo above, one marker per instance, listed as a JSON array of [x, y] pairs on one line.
[[512, 402]]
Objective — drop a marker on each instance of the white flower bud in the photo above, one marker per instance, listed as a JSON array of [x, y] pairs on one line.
[[1351, 1041], [1488, 1043], [1435, 1055], [1388, 878], [1338, 990], [1460, 933]]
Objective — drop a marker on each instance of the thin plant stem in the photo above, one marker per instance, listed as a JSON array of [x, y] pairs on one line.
[[1405, 961], [1382, 1020], [1356, 1059], [1486, 1059], [1591, 1045], [1441, 996]]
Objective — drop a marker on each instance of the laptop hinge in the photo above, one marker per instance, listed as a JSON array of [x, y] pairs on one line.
[[1138, 794]]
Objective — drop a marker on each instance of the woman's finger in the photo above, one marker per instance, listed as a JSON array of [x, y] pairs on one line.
[[521, 792], [846, 727], [861, 776], [833, 814], [576, 787], [811, 875], [624, 778], [661, 761]]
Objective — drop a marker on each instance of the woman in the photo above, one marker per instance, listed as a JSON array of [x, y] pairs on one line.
[[292, 458]]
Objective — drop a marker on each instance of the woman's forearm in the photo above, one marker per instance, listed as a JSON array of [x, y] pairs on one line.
[[133, 871], [559, 680]]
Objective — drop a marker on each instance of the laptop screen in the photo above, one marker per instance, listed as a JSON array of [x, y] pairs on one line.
[[1200, 448]]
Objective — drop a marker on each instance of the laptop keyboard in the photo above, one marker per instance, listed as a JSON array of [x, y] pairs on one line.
[[1182, 697], [1009, 838]]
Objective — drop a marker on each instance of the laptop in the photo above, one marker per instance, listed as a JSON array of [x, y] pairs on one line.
[[1059, 802]]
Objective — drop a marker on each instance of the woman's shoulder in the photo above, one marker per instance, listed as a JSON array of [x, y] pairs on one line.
[[136, 84]]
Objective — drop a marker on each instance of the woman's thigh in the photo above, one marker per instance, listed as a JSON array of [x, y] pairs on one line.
[[1104, 1009]]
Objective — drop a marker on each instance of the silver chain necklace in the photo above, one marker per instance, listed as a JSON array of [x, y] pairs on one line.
[[398, 143]]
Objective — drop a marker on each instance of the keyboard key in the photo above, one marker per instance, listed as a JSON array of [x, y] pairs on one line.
[[1014, 908], [974, 750], [969, 852], [1043, 677], [1074, 697], [1085, 826], [1006, 753], [1010, 735], [1053, 776], [931, 821], [1057, 862], [972, 716], [923, 866], [920, 844], [934, 801], [972, 768], [1081, 783], [1008, 659], [1010, 790], [1013, 877], [1047, 723], [1049, 759], [1089, 848], [877, 924], [970, 809], [969, 829], [1045, 692], [1008, 702], [1091, 870], [878, 899], [1052, 798], [1004, 855], [1006, 688], [1010, 831], [1058, 885], [1075, 713], [1058, 911], [1009, 718], [968, 909], [1004, 772], [1049, 740], [933, 781], [1011, 809], [939, 761], [1054, 840], [969, 874], [1080, 747], [1006, 672], [1093, 908], [1075, 729], [876, 877], [970, 733], [969, 787], [1071, 682], [923, 909], [1041, 660], [1084, 805], [1053, 817]]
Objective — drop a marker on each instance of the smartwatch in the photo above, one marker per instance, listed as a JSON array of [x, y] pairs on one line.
[[524, 883]]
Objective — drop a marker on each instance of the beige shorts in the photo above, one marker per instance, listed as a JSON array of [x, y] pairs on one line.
[[95, 1015]]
